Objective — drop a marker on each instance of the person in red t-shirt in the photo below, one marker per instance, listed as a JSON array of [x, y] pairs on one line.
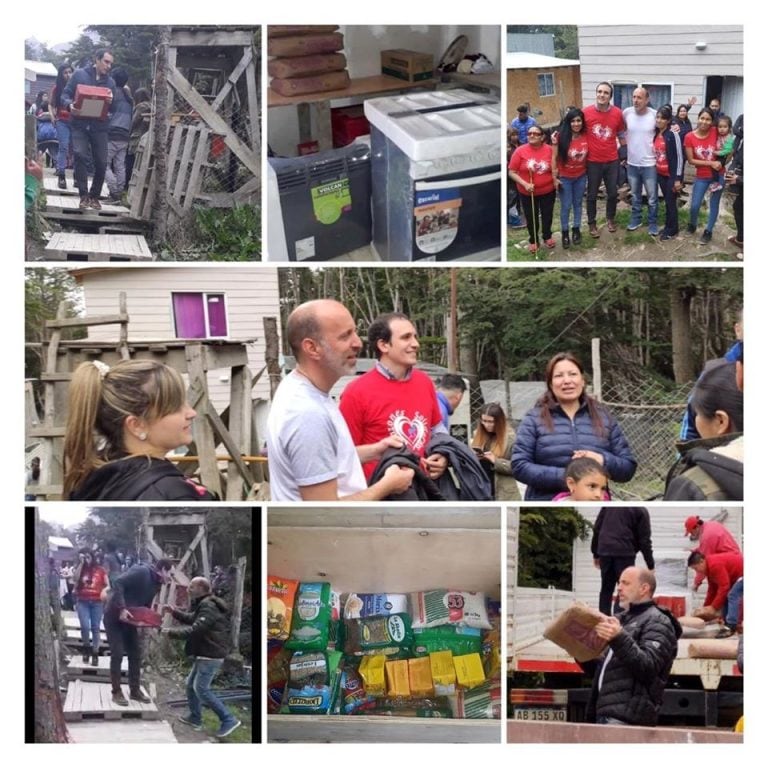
[[394, 399], [90, 580], [605, 125], [700, 151], [569, 158], [669, 168], [530, 167], [724, 573]]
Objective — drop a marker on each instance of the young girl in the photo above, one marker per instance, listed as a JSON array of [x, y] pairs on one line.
[[121, 423], [723, 151], [587, 480], [669, 168], [569, 158]]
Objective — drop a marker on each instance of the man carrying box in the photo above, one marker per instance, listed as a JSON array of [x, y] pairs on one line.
[[89, 134]]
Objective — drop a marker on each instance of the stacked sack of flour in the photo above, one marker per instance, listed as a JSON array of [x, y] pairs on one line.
[[306, 59], [425, 654]]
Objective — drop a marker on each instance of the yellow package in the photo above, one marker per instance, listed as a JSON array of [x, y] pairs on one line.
[[469, 670], [372, 671], [420, 676], [443, 672], [397, 678]]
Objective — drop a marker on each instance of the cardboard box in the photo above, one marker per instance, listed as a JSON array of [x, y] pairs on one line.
[[411, 66], [574, 631], [92, 102]]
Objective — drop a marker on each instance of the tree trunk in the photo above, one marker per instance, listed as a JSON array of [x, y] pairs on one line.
[[680, 298], [160, 150], [50, 727]]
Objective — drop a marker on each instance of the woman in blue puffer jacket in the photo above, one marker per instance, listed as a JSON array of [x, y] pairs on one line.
[[565, 424]]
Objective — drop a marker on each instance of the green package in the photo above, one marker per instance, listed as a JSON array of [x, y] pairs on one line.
[[311, 614], [377, 634], [458, 640]]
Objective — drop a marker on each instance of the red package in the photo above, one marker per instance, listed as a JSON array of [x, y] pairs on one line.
[[92, 102], [143, 617]]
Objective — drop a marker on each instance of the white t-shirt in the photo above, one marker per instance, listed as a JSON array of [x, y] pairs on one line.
[[640, 135], [308, 442]]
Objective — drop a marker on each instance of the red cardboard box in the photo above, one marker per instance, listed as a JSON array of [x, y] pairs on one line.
[[92, 102]]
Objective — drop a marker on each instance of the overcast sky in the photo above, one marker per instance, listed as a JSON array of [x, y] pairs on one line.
[[52, 33], [65, 513]]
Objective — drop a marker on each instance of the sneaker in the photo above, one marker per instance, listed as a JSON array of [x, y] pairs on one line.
[[95, 660], [193, 724], [612, 225], [632, 227], [706, 236], [85, 203], [715, 186], [594, 231], [565, 239], [690, 228], [724, 631], [62, 181], [515, 222], [93, 202], [550, 242], [226, 730], [653, 230], [576, 235], [667, 236]]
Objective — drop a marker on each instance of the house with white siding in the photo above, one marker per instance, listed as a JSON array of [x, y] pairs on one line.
[[676, 63], [188, 302]]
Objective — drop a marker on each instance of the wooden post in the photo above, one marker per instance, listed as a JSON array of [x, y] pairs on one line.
[[123, 346], [204, 555], [272, 353], [158, 150], [237, 604], [597, 373], [239, 426], [51, 468], [452, 330]]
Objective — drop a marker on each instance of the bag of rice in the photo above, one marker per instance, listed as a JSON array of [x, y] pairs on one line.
[[312, 612], [362, 605], [449, 606]]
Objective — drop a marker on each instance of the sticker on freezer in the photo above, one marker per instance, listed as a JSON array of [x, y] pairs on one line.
[[330, 200], [436, 216]]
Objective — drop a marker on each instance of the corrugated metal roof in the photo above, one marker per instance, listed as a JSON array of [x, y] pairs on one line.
[[40, 67], [60, 542], [524, 60]]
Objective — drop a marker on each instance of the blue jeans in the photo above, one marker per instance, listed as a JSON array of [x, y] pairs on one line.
[[64, 134], [640, 177], [90, 612], [199, 691], [700, 187], [733, 603], [571, 197]]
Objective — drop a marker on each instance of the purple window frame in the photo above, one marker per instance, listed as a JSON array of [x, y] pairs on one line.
[[199, 315]]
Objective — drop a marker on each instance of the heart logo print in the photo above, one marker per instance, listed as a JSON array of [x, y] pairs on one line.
[[412, 431]]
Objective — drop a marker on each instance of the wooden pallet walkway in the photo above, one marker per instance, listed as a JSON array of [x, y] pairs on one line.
[[51, 184], [66, 208], [77, 668], [72, 638], [72, 620], [93, 701], [75, 246], [121, 732]]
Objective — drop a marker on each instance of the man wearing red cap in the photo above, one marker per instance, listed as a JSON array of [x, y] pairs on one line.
[[711, 537], [725, 579]]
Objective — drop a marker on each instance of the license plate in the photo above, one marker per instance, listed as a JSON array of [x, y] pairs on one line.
[[540, 714]]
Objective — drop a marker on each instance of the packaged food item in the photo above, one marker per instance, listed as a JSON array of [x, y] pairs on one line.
[[278, 660], [312, 613], [439, 706], [281, 594], [443, 672], [372, 671], [354, 697], [449, 637], [309, 700], [334, 625], [308, 669], [449, 606], [362, 605], [377, 634], [574, 631], [397, 678], [420, 677], [483, 702], [469, 670], [313, 684], [491, 650]]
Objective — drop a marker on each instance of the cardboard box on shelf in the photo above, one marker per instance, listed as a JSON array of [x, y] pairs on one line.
[[411, 66]]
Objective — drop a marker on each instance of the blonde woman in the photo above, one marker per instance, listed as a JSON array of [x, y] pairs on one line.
[[493, 441], [121, 424]]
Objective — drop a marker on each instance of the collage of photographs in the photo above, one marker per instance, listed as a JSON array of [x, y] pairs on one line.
[[345, 423]]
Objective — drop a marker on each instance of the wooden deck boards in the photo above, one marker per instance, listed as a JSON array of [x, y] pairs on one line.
[[67, 208], [72, 637], [51, 184], [75, 246], [77, 668], [71, 621], [121, 732], [93, 701]]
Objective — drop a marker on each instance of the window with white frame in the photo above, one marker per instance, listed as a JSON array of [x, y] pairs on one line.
[[199, 315], [546, 84], [659, 94]]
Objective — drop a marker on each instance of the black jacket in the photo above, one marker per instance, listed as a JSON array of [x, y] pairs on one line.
[[473, 482], [636, 666], [700, 474], [423, 488], [139, 478], [623, 532], [135, 587], [207, 633]]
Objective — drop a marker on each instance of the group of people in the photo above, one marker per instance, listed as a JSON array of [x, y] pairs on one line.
[[108, 587], [389, 437], [584, 153], [103, 148], [630, 677]]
